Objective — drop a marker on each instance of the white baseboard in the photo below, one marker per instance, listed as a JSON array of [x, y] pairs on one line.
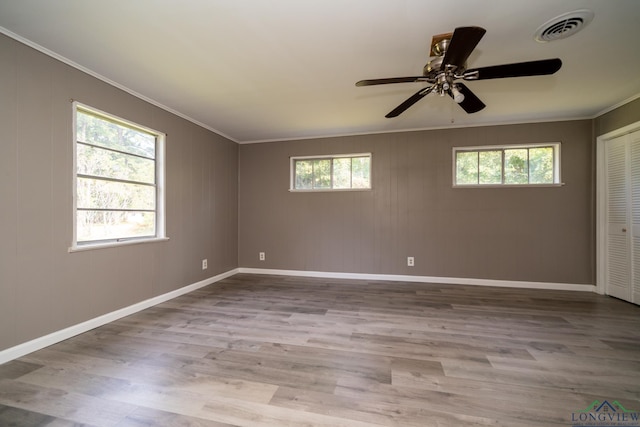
[[55, 337], [425, 279]]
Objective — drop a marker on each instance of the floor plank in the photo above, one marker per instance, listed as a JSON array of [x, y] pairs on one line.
[[256, 350]]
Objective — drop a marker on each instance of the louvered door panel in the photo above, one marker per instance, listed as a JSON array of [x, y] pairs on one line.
[[616, 182], [634, 151], [635, 291], [618, 249]]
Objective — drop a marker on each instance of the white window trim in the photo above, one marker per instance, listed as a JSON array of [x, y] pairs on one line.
[[292, 173], [556, 164], [160, 185]]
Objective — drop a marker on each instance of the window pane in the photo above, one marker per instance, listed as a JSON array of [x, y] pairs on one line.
[[490, 167], [516, 170], [332, 173], [342, 173], [515, 165], [541, 165], [466, 167], [361, 172], [109, 164], [101, 225], [97, 131], [101, 194], [322, 173], [304, 174]]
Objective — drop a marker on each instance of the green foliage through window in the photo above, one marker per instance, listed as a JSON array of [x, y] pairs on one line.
[[116, 185], [521, 165], [332, 173]]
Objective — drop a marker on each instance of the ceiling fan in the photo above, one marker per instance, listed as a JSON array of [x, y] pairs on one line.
[[451, 51]]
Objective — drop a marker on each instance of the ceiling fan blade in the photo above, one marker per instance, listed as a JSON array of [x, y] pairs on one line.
[[409, 102], [391, 80], [463, 41], [519, 69], [471, 103]]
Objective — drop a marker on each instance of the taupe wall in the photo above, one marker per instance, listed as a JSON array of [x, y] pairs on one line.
[[43, 288], [618, 118], [524, 234]]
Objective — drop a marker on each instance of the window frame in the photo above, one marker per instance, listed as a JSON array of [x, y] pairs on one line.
[[292, 172], [160, 203], [557, 177]]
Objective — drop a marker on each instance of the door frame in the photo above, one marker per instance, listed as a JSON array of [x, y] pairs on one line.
[[601, 203]]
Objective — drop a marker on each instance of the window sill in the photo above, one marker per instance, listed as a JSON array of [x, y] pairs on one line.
[[92, 246], [509, 185], [328, 190]]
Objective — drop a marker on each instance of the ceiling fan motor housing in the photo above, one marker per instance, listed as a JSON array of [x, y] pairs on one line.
[[432, 68], [443, 79]]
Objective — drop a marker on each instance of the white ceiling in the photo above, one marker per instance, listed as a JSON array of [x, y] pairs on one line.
[[258, 70]]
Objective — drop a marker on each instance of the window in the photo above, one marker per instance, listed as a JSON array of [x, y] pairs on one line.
[[118, 180], [532, 164], [331, 173]]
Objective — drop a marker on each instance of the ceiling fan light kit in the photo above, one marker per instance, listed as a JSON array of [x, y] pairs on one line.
[[450, 52], [458, 96]]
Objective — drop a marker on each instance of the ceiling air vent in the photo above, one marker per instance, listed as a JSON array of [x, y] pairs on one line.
[[563, 26]]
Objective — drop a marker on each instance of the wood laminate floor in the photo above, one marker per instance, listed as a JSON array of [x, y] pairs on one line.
[[282, 351]]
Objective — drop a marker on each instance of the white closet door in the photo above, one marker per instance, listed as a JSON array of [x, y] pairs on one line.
[[634, 144], [618, 242]]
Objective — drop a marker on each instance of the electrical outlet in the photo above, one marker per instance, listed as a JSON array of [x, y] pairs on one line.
[[261, 256], [204, 264], [410, 261]]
